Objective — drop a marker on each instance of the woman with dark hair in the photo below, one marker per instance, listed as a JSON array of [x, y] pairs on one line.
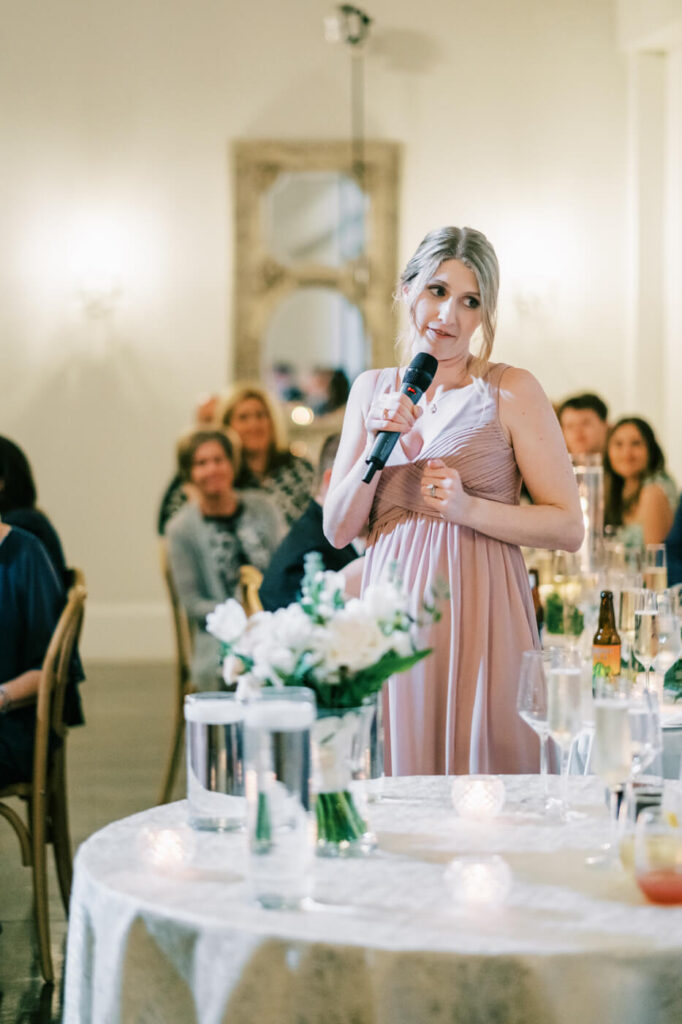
[[31, 600], [18, 504], [640, 497], [210, 538]]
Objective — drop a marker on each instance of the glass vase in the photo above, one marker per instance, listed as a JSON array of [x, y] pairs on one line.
[[341, 760]]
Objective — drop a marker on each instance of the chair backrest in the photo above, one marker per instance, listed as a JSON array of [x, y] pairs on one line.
[[250, 579], [181, 626], [54, 677]]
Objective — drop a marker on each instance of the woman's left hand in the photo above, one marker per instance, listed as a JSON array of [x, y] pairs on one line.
[[442, 491]]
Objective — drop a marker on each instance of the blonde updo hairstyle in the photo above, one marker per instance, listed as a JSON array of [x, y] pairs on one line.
[[471, 248], [229, 401]]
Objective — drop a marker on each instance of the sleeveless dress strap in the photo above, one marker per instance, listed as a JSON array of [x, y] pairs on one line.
[[494, 376]]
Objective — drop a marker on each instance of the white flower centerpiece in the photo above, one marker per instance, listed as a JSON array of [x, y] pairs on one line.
[[341, 648]]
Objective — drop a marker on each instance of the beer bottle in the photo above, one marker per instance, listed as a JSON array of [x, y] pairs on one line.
[[606, 645]]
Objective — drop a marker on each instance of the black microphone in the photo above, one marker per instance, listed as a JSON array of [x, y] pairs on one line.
[[418, 376]]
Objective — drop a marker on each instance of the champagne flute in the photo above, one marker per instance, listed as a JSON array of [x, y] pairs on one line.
[[611, 757], [564, 710], [626, 622], [655, 567], [645, 647], [531, 703]]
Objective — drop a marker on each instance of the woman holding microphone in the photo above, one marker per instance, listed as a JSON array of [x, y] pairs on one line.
[[446, 510]]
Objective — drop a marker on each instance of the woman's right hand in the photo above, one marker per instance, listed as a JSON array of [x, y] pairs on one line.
[[392, 411]]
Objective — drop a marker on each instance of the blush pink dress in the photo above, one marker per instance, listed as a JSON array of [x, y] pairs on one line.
[[455, 712]]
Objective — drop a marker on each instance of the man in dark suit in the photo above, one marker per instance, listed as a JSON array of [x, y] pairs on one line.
[[282, 581]]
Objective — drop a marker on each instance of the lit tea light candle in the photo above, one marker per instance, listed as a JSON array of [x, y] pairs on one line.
[[478, 880], [166, 847], [477, 796]]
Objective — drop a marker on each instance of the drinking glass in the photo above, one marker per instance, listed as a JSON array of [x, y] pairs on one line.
[[637, 797], [277, 731], [658, 856], [564, 709], [646, 738], [626, 622], [531, 703], [611, 757], [655, 567], [645, 646], [215, 761]]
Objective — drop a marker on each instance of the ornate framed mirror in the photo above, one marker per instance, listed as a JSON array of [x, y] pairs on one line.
[[315, 261]]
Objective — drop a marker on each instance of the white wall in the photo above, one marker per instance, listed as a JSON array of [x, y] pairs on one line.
[[117, 121]]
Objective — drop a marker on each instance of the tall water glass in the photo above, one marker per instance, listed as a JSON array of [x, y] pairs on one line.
[[645, 646], [277, 731], [215, 761], [655, 567], [564, 708], [531, 702]]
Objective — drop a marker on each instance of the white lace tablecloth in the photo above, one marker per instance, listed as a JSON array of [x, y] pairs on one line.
[[384, 942]]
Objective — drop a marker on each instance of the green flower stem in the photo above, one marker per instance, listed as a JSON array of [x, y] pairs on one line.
[[338, 819], [263, 827]]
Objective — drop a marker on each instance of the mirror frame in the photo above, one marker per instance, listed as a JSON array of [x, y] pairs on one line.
[[261, 282]]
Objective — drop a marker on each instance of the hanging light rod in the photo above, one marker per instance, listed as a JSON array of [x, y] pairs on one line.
[[347, 24]]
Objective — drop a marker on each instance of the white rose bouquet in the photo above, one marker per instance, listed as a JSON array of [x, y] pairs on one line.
[[342, 648]]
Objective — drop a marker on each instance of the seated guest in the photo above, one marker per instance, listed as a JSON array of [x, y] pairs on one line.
[[584, 424], [210, 538], [673, 549], [18, 504], [31, 601], [282, 582], [267, 463], [640, 497], [176, 494]]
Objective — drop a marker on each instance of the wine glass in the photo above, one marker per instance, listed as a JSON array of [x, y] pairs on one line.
[[658, 855], [645, 647], [655, 567], [531, 703], [564, 709], [669, 639]]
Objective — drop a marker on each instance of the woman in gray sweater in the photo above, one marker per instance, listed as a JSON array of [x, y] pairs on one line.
[[212, 536]]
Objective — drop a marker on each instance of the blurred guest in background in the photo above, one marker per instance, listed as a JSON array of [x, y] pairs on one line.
[[284, 383], [673, 549], [267, 463], [176, 493], [211, 538], [282, 581], [584, 423], [31, 601], [18, 498], [327, 389], [640, 497]]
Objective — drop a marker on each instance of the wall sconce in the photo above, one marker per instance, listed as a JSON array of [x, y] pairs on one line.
[[99, 297]]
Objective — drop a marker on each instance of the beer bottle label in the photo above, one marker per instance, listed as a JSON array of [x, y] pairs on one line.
[[606, 661]]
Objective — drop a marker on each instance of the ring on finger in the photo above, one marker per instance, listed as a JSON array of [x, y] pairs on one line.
[[432, 490]]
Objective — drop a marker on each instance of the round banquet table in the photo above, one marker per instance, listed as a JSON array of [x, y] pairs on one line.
[[180, 940]]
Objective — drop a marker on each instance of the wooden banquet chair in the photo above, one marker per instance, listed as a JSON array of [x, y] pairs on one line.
[[250, 579], [45, 795], [183, 675]]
